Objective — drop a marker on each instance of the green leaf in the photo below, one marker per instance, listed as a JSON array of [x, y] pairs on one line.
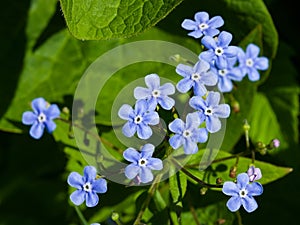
[[221, 168], [100, 19], [178, 185]]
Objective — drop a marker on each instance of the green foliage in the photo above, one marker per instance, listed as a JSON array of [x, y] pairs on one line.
[[44, 55]]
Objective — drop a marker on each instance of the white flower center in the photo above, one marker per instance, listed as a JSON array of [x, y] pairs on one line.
[[142, 162], [222, 72], [249, 62], [243, 193], [155, 93], [208, 111], [219, 51], [138, 119], [87, 187], [196, 76], [203, 26], [42, 118], [187, 133]]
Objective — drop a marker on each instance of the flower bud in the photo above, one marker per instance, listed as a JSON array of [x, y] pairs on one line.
[[219, 180], [275, 143], [232, 172], [236, 107], [115, 216], [203, 190]]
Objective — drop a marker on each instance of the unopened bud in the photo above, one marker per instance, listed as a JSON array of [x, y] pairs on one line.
[[115, 216], [235, 106], [66, 110], [232, 172], [219, 180], [275, 143], [246, 126], [203, 190], [261, 148]]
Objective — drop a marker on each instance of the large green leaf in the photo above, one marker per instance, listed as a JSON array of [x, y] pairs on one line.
[[100, 19]]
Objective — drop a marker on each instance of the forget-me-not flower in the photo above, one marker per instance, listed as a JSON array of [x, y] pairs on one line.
[[42, 117], [227, 75], [250, 63], [156, 94], [218, 51], [203, 25], [141, 163], [254, 173], [210, 110], [87, 187], [242, 193], [187, 134], [139, 119], [196, 77]]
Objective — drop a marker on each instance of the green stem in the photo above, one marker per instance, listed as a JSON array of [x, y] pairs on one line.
[[81, 217], [151, 192], [239, 218]]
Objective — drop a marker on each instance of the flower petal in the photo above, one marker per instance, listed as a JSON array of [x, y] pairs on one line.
[[201, 17], [230, 188], [37, 129], [129, 129], [208, 42], [50, 126], [166, 102], [89, 173], [192, 121], [189, 24], [184, 85], [176, 141], [131, 171], [152, 81], [146, 175], [242, 180], [92, 199], [213, 98], [261, 63], [78, 197], [176, 126], [125, 112], [252, 51], [141, 93], [253, 74], [189, 146], [222, 111], [75, 180], [213, 124], [224, 38], [131, 155], [154, 164], [198, 103], [208, 55], [28, 118], [216, 21], [209, 78], [225, 84], [201, 66], [249, 203], [199, 89], [255, 189], [39, 105], [52, 112], [99, 185], [151, 118], [202, 135], [234, 203], [167, 89], [196, 33], [144, 131], [147, 151], [141, 106]]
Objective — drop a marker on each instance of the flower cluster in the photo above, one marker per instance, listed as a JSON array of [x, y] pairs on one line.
[[229, 63]]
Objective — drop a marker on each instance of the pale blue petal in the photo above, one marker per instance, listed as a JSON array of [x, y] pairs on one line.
[[50, 126], [141, 93], [144, 131], [222, 111], [261, 63], [125, 112], [152, 81], [208, 42], [225, 84], [201, 17], [209, 78], [52, 112], [39, 105], [99, 185], [224, 39], [141, 106], [230, 188], [249, 203], [177, 126], [78, 197], [166, 102], [255, 189], [151, 118], [189, 146], [252, 51], [92, 199], [176, 141], [234, 203], [242, 180], [199, 89], [213, 124], [28, 118], [216, 21], [208, 56], [196, 33], [197, 103], [75, 180], [253, 74], [202, 135], [154, 164], [192, 121], [231, 52], [184, 70], [221, 61], [213, 98], [89, 173], [129, 129], [211, 32], [201, 66], [184, 85], [167, 89], [37, 129], [147, 151], [146, 175], [131, 155], [189, 24], [131, 171]]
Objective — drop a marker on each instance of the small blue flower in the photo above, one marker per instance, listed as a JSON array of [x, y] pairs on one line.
[[156, 94], [203, 25], [254, 173], [210, 110], [139, 119], [227, 75], [42, 117], [250, 63], [242, 193], [141, 163], [87, 187], [218, 50], [95, 224], [187, 134], [196, 77]]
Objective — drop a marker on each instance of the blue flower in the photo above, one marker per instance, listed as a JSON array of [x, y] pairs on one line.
[[87, 187], [242, 193], [203, 25], [187, 134], [250, 63], [95, 224], [254, 173], [156, 94], [42, 117], [141, 163], [210, 110], [139, 119], [227, 75], [196, 77], [218, 50]]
